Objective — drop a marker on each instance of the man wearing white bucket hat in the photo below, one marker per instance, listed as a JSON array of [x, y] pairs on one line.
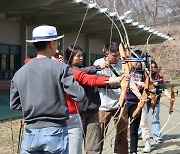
[[38, 89]]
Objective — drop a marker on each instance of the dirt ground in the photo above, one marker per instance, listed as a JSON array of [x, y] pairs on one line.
[[9, 136], [171, 132]]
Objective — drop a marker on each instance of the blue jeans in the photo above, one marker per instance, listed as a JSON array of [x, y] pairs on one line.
[[45, 141], [155, 122], [75, 132]]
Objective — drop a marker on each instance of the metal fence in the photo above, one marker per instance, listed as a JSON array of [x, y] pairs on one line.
[[166, 20]]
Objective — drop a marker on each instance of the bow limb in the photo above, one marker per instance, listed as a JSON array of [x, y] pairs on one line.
[[152, 92], [172, 99], [21, 128], [125, 31], [126, 34], [144, 97], [147, 45], [78, 33]]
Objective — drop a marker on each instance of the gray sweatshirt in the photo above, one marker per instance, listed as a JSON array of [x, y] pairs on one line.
[[109, 97], [39, 89]]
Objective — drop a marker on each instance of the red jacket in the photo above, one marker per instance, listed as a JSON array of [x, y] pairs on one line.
[[84, 79]]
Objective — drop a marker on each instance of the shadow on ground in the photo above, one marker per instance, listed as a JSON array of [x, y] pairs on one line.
[[171, 145]]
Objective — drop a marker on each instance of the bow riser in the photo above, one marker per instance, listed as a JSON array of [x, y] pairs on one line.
[[152, 92], [125, 70], [153, 97]]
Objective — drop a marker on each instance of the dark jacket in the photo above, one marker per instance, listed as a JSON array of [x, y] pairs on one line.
[[93, 101]]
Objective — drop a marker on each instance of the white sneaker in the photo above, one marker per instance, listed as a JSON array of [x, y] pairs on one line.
[[147, 147]]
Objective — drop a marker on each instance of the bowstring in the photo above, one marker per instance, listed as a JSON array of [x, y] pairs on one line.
[[127, 126], [113, 23], [126, 34], [164, 125], [80, 29], [174, 127], [78, 34], [147, 45], [172, 91], [150, 75], [168, 116], [110, 20], [127, 42], [127, 38], [106, 127]]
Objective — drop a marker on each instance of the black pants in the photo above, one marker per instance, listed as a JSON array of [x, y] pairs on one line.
[[133, 127]]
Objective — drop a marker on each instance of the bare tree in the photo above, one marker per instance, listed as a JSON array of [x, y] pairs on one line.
[[144, 10], [174, 7]]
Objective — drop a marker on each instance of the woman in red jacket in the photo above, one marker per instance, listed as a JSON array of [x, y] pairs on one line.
[[75, 129]]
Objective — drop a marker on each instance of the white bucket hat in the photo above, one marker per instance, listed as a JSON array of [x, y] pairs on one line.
[[44, 33]]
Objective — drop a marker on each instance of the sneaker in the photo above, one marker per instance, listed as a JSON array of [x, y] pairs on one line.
[[159, 141], [147, 147]]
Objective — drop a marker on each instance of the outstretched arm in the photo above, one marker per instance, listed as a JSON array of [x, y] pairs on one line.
[[94, 80]]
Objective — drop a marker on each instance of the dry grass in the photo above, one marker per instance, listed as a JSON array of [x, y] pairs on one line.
[[167, 54], [9, 136]]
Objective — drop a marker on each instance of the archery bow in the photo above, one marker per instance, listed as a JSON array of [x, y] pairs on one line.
[[126, 66], [20, 136], [125, 52], [144, 97], [172, 99], [153, 96]]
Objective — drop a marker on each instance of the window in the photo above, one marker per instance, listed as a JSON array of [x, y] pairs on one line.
[[3, 62], [10, 60]]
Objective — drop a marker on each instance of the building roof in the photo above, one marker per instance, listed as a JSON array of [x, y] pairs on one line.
[[69, 15]]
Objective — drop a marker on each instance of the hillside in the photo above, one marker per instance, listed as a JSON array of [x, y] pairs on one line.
[[167, 54]]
